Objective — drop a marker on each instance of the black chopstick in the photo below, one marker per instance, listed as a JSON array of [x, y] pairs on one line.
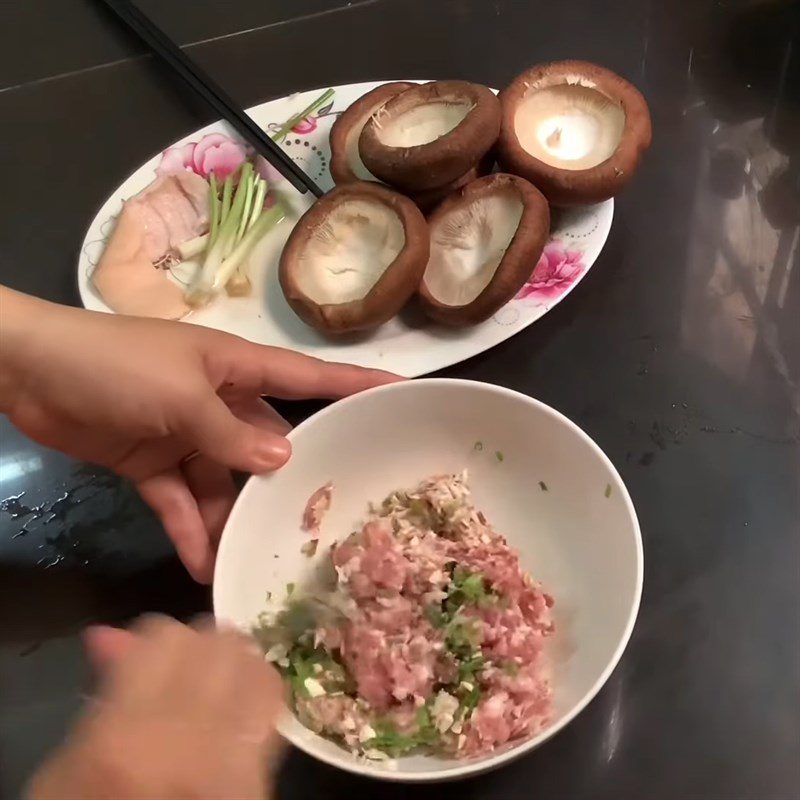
[[213, 94]]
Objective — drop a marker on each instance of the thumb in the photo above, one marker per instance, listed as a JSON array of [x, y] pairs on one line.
[[217, 433], [104, 645]]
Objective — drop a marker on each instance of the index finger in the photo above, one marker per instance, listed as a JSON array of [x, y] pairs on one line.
[[288, 375]]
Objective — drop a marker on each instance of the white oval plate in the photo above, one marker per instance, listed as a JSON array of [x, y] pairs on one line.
[[409, 344]]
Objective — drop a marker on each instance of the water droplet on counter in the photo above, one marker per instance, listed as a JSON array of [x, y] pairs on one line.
[[18, 510]]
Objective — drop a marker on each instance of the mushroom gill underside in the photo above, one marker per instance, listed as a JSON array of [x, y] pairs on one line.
[[468, 245], [420, 124], [352, 153], [346, 255], [570, 124]]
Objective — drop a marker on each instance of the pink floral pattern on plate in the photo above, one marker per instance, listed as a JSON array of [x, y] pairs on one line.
[[558, 268], [223, 155]]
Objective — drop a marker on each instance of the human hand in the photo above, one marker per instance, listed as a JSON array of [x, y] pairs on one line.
[[171, 406], [180, 712]]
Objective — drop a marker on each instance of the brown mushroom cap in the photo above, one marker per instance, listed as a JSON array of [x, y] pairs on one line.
[[346, 164], [354, 258], [431, 134], [428, 199], [615, 110], [486, 240]]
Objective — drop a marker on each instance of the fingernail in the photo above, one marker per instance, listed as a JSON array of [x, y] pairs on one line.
[[273, 453]]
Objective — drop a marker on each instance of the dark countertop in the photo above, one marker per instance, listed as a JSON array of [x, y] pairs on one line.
[[679, 354]]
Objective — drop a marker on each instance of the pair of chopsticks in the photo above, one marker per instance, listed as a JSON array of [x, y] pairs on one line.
[[213, 94]]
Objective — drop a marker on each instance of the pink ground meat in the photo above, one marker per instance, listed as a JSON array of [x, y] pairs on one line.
[[397, 568], [316, 507]]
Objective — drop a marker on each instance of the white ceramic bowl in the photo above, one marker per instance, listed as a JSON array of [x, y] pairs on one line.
[[579, 537]]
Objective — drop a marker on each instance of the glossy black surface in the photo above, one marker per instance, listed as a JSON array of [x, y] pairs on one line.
[[679, 354]]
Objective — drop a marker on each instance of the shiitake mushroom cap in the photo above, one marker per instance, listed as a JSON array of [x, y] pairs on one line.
[[486, 240], [623, 119], [354, 258], [346, 164], [431, 134], [428, 199]]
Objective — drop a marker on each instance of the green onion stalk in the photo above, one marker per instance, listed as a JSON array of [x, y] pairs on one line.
[[238, 221], [287, 126]]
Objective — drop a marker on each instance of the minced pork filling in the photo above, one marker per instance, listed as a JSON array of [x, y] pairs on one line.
[[430, 641]]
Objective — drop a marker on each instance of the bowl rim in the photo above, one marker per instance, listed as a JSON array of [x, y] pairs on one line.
[[467, 768]]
